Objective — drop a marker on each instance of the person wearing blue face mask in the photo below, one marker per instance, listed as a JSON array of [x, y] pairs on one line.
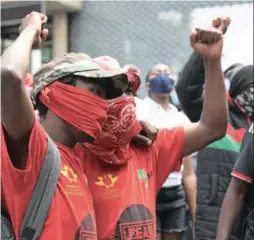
[[158, 110]]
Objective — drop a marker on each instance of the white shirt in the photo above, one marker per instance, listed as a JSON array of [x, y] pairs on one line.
[[150, 111]]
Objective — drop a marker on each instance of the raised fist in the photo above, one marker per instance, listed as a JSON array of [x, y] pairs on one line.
[[207, 42], [221, 23], [35, 21]]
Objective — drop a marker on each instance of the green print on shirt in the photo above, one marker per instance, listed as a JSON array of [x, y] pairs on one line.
[[142, 175], [226, 143]]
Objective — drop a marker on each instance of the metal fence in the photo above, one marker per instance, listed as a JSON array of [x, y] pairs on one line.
[[143, 32]]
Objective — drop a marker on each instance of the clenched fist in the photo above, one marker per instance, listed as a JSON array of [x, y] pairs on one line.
[[35, 20], [207, 42]]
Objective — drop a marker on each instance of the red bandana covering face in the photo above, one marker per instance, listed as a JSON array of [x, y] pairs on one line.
[[78, 107], [121, 126]]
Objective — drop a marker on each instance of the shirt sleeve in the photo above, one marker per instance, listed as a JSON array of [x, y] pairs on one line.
[[14, 179], [244, 167], [169, 146]]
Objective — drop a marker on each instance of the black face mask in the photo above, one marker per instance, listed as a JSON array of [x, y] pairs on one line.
[[240, 80]]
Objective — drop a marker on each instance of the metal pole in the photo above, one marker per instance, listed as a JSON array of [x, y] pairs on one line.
[[44, 7]]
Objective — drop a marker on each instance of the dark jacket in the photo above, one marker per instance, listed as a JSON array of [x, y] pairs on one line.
[[216, 161]]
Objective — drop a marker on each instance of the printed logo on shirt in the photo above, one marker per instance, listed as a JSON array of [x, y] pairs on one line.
[[87, 230], [135, 223], [69, 174], [144, 177], [107, 180], [71, 186]]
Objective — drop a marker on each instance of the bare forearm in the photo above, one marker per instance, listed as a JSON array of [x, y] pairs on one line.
[[214, 115], [17, 57], [229, 213], [190, 185], [16, 103]]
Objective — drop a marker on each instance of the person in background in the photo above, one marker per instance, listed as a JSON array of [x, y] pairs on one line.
[[216, 161], [133, 73], [175, 100], [29, 83], [29, 87], [69, 93], [159, 112], [239, 200]]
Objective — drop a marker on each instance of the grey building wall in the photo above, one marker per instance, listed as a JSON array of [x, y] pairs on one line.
[[136, 31]]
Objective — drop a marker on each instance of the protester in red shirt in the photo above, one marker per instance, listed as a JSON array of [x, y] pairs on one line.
[[124, 179], [64, 92]]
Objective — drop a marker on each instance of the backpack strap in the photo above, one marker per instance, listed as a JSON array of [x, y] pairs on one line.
[[6, 228], [40, 202]]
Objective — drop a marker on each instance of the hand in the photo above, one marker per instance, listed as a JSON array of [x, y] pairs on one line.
[[146, 137], [35, 20], [221, 23], [207, 42]]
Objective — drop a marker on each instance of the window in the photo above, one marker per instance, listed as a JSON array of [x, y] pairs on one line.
[[10, 33]]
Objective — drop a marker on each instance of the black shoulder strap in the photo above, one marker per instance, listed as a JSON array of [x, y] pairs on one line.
[[41, 199], [43, 193]]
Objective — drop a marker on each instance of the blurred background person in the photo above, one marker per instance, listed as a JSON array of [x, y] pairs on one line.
[[29, 87], [133, 73], [161, 113], [216, 161]]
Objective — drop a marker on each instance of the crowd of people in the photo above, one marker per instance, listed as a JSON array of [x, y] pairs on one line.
[[175, 165]]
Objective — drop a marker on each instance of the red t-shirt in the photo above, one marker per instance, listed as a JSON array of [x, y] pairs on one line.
[[124, 195], [71, 215]]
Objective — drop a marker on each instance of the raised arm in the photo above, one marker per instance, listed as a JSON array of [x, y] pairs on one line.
[[190, 86], [213, 121], [17, 112], [16, 108]]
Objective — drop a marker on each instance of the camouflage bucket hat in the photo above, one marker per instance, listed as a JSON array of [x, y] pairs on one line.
[[82, 65]]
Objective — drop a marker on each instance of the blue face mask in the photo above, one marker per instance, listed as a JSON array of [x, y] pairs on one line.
[[161, 84], [175, 100]]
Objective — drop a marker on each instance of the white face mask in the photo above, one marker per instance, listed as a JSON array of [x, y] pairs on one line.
[[227, 84]]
